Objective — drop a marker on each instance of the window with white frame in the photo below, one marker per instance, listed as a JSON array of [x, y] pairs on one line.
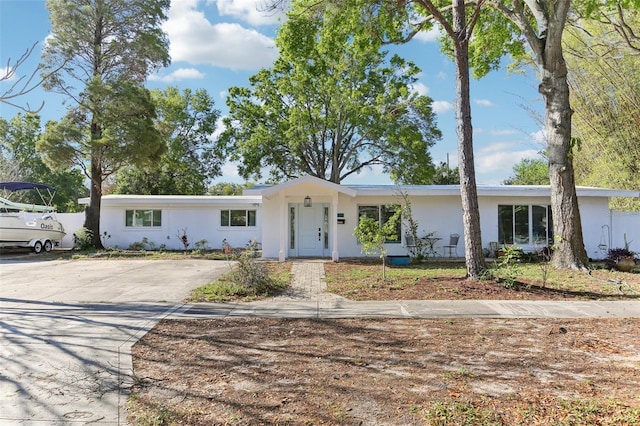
[[143, 218], [382, 214], [525, 224], [238, 218]]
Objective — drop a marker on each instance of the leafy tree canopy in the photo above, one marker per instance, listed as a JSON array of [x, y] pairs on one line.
[[186, 122], [21, 162], [116, 40], [605, 95], [445, 175], [228, 188], [530, 171], [331, 106], [128, 136]]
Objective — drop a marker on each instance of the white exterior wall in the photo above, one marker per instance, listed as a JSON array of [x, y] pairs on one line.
[[201, 222], [436, 209], [625, 223], [271, 227], [441, 214], [594, 212]]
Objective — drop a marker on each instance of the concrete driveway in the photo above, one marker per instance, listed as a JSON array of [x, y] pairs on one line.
[[66, 329]]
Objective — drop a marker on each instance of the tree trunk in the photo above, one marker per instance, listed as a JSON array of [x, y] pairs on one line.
[[464, 129], [569, 251], [92, 214]]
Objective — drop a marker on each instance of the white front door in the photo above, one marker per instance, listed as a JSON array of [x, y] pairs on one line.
[[310, 225]]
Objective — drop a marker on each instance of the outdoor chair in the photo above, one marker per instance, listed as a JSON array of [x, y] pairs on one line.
[[452, 247]]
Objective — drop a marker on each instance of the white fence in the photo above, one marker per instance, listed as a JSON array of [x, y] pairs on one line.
[[71, 222]]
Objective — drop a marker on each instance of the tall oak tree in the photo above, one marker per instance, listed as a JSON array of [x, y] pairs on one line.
[[331, 106]]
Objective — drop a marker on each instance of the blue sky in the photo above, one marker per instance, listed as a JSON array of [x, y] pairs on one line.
[[217, 44]]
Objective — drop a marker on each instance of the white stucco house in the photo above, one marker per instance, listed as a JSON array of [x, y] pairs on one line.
[[310, 217]]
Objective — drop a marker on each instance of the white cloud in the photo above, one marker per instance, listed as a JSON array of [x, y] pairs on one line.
[[178, 75], [441, 75], [197, 41], [230, 173], [503, 132], [420, 88], [442, 106], [483, 102], [539, 137], [220, 128], [495, 161], [251, 11], [373, 175], [429, 36]]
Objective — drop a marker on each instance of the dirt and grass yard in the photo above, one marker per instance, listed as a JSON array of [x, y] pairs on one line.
[[458, 371]]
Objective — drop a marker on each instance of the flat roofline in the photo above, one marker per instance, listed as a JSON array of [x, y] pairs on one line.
[[117, 199]]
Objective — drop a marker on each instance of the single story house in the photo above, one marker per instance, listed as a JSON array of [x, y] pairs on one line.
[[311, 217], [170, 221]]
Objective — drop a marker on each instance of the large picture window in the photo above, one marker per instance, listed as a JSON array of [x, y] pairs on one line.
[[524, 224], [143, 218], [238, 218], [382, 214]]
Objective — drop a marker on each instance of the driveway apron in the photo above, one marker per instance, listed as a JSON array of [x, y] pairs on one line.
[[67, 327]]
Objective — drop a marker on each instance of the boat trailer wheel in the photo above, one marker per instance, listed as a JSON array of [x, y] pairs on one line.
[[48, 245], [37, 247]]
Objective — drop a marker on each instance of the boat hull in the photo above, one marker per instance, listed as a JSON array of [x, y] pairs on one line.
[[18, 230]]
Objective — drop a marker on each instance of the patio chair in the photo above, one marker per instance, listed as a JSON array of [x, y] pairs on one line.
[[452, 247]]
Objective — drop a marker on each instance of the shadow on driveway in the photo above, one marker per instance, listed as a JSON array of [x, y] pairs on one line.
[[67, 327]]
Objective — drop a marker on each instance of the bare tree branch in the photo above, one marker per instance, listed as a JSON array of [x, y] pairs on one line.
[[25, 83]]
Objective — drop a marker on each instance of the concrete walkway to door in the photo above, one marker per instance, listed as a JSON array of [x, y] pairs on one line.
[[308, 283]]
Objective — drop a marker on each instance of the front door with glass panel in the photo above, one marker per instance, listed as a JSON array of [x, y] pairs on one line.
[[308, 230]]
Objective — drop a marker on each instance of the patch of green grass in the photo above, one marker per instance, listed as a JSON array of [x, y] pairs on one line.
[[461, 373], [139, 254], [145, 413], [337, 411], [356, 278], [227, 287], [555, 411], [460, 412], [363, 274], [218, 291]]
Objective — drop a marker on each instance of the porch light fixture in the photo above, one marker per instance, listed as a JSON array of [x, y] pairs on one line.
[[307, 201]]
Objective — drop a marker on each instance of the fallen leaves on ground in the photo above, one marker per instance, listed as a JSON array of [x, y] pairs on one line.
[[248, 371]]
